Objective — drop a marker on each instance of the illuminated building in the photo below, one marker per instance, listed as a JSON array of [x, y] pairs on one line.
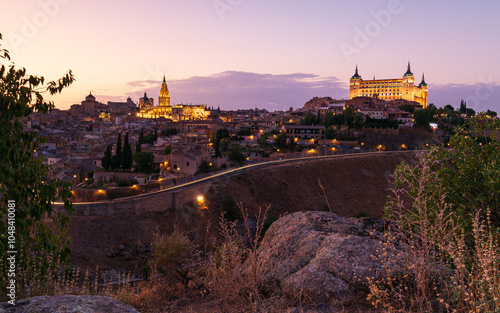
[[175, 112], [145, 103], [390, 89]]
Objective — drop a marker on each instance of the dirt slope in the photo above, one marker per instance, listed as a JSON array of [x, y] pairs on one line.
[[351, 185]]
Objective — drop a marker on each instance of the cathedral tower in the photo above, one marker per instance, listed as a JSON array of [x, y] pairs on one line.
[[164, 99]]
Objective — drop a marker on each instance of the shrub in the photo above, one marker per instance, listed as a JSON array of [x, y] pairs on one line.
[[230, 209], [442, 252], [173, 254]]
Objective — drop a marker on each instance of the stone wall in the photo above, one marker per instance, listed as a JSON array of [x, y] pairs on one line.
[[156, 201]]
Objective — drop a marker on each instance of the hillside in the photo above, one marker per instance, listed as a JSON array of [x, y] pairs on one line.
[[351, 185]]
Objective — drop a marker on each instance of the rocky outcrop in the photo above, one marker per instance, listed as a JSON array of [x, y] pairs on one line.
[[321, 256], [67, 304]]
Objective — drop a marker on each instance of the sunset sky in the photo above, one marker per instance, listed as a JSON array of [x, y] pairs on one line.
[[241, 53]]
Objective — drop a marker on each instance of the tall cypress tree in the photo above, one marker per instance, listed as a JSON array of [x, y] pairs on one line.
[[126, 154], [106, 160], [119, 151], [139, 142]]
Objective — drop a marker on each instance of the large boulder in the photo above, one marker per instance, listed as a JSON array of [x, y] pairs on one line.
[[67, 304], [321, 256]]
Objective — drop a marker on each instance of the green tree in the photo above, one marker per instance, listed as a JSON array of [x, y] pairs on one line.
[[280, 141], [150, 138], [140, 141], [262, 141], [424, 117], [463, 107], [216, 139], [408, 107], [330, 133], [244, 132], [449, 109], [205, 166], [25, 187], [168, 150], [491, 113], [118, 152], [144, 161], [309, 119], [328, 119], [106, 160], [358, 121], [339, 119], [230, 209], [467, 172], [113, 163], [470, 112], [127, 154], [236, 154], [169, 132], [348, 116], [225, 144]]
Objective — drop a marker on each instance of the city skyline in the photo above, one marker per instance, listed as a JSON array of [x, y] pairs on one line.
[[242, 54]]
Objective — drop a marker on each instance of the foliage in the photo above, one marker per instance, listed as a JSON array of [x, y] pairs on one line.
[[173, 254], [118, 151], [25, 180], [327, 119], [140, 141], [491, 113], [468, 171], [349, 116], [236, 154], [168, 150], [230, 209], [150, 138], [216, 139], [205, 166], [169, 132], [262, 141], [106, 160], [408, 107], [432, 262], [127, 154], [144, 161], [280, 140], [244, 132], [358, 121], [380, 123], [310, 119], [424, 117]]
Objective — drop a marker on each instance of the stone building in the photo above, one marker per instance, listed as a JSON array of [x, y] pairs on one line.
[[390, 89]]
